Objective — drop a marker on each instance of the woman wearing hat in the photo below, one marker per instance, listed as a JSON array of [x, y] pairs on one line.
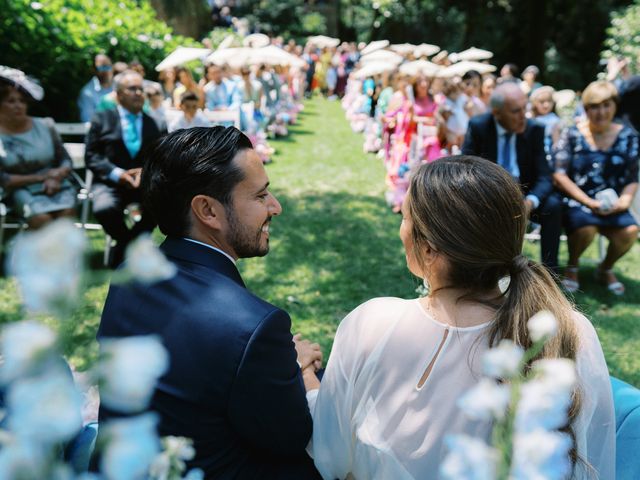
[[34, 164], [597, 169]]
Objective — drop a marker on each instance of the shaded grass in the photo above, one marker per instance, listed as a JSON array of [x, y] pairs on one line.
[[336, 245]]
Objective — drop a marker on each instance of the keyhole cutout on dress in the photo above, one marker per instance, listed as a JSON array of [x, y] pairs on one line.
[[427, 371]]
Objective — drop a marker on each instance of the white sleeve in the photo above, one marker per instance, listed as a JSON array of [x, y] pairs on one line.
[[331, 446], [595, 426]]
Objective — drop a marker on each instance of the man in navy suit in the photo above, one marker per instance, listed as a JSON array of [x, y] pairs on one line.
[[114, 147], [237, 377], [506, 137]]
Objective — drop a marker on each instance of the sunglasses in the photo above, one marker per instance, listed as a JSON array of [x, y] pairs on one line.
[[104, 68]]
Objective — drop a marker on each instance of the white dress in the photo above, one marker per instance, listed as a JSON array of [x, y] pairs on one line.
[[372, 421]]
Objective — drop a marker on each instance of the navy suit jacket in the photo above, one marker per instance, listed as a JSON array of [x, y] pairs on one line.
[[535, 174], [105, 148], [233, 384]]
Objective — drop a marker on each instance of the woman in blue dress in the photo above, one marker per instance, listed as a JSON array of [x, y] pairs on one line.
[[594, 159]]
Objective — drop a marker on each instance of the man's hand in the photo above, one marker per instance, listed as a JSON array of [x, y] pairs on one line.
[[309, 354], [528, 204], [136, 174], [130, 178], [51, 186], [59, 173]]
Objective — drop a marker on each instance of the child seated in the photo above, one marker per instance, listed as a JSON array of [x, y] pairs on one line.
[[191, 116]]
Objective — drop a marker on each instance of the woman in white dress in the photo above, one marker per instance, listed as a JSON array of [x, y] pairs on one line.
[[388, 396]]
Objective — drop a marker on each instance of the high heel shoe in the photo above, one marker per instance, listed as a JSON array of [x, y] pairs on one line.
[[571, 285]]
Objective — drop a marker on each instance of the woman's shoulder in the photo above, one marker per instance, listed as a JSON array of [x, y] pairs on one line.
[[376, 315]]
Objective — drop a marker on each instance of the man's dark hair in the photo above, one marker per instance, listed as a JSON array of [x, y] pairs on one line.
[[188, 96], [186, 163]]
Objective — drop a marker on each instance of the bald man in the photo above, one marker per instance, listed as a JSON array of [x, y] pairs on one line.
[[507, 137]]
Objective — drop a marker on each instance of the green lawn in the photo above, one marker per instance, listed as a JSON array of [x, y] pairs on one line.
[[336, 245]]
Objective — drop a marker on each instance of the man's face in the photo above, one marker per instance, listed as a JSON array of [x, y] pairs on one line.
[[104, 69], [131, 94], [215, 74], [512, 114], [252, 206]]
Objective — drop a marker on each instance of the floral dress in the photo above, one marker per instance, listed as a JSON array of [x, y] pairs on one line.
[[595, 170]]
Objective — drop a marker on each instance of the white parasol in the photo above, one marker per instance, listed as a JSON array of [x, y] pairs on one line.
[[403, 48], [420, 67], [182, 55], [270, 55], [256, 40], [381, 56], [460, 68], [425, 50], [20, 80], [227, 42], [373, 46], [472, 54], [374, 68], [323, 41]]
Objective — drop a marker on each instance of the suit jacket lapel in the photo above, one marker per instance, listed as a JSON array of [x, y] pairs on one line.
[[117, 128]]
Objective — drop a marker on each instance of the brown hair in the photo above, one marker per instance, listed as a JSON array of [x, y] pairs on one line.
[[598, 92], [417, 81], [471, 211], [7, 88]]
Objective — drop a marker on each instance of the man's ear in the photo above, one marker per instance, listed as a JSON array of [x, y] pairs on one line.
[[208, 211]]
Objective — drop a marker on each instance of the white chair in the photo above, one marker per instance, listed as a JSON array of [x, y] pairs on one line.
[[222, 117]]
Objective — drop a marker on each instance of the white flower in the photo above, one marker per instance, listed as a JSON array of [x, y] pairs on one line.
[[129, 371], [542, 326], [48, 264], [36, 5], [194, 474], [22, 459], [25, 345], [179, 447], [113, 41], [45, 408], [545, 400], [558, 371], [172, 460], [541, 455], [146, 263], [132, 446], [485, 401], [503, 361], [468, 459], [160, 468]]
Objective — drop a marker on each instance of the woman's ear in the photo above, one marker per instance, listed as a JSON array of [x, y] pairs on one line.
[[208, 212]]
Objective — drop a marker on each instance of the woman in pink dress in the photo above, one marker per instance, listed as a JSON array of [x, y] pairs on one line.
[[424, 127]]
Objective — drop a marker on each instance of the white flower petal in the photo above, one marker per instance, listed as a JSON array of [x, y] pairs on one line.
[[486, 400], [503, 361], [542, 326]]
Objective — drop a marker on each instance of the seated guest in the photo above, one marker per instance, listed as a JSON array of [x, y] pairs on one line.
[[472, 88], [388, 398], [488, 85], [595, 156], [220, 93], [99, 86], [543, 111], [506, 137], [235, 384], [113, 153], [529, 83], [34, 165], [186, 84], [191, 116], [155, 103]]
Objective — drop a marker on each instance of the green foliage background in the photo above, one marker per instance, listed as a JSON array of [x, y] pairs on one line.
[[55, 41], [623, 36]]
